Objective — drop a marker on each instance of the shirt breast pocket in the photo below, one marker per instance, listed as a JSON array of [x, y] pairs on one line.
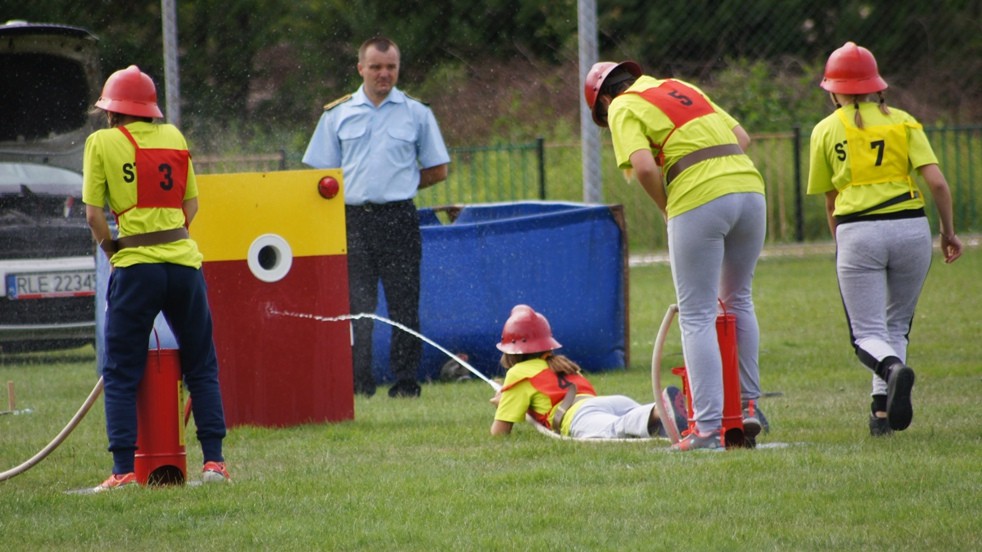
[[402, 144], [352, 132]]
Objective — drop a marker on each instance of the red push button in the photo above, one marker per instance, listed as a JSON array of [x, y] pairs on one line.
[[328, 187]]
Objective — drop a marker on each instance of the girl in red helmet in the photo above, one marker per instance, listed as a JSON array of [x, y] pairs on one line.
[[688, 155], [552, 389], [143, 171], [861, 158]]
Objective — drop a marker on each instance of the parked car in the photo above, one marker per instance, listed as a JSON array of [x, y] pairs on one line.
[[47, 264]]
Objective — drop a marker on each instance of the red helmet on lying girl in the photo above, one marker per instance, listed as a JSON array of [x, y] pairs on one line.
[[526, 331]]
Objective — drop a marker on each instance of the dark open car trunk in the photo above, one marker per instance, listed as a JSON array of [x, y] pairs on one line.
[[51, 78]]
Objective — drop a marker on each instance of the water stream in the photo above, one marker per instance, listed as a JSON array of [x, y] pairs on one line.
[[346, 317]]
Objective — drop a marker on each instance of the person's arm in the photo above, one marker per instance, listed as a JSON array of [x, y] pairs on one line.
[[829, 209], [499, 427], [649, 175], [742, 137], [432, 175], [190, 210], [324, 148], [96, 218], [951, 246]]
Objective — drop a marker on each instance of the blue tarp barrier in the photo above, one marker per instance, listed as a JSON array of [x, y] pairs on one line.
[[565, 260]]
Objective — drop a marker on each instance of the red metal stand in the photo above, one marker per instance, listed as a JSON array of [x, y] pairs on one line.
[[732, 405], [160, 456]]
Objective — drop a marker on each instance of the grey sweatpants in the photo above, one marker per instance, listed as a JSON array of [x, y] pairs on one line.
[[611, 417], [881, 266], [713, 250]]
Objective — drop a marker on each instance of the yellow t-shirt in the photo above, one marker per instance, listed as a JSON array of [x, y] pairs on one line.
[[871, 165], [637, 124], [520, 396], [108, 173]]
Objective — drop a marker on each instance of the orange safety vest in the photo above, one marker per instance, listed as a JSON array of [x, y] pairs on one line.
[[161, 176], [680, 103], [555, 387]]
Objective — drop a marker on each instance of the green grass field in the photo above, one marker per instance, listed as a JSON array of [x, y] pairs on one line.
[[425, 475]]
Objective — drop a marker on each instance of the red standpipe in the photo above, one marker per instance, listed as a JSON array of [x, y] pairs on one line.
[[726, 336], [160, 455]]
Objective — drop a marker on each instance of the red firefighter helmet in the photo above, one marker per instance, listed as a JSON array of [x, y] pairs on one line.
[[852, 70], [130, 92], [595, 81], [526, 331]]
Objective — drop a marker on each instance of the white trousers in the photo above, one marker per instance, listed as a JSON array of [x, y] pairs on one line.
[[610, 417]]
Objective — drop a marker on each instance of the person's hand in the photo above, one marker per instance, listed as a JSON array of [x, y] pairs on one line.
[[108, 246], [496, 398], [951, 248]]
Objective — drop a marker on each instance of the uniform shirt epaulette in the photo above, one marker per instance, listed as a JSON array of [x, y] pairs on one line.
[[417, 99], [331, 105]]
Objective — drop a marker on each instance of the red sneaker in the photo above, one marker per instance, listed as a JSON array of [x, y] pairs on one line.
[[215, 472], [696, 441], [116, 481]]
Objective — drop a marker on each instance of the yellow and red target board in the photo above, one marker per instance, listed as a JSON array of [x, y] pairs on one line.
[[275, 243]]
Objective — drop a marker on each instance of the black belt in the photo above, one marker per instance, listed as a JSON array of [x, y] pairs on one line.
[[699, 156], [896, 215], [863, 215], [568, 401], [372, 207]]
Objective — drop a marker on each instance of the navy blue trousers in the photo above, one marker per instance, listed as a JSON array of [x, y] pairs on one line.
[[136, 294]]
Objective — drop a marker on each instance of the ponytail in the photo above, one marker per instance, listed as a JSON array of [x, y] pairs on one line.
[[561, 364], [883, 104], [858, 119], [557, 363]]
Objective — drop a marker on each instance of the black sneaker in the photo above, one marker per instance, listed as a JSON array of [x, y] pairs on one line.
[[879, 427], [405, 388], [899, 386]]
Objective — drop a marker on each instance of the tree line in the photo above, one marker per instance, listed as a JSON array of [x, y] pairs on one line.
[[265, 64]]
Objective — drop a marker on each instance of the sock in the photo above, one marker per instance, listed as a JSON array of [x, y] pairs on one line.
[[211, 450], [123, 461], [883, 368], [879, 404]]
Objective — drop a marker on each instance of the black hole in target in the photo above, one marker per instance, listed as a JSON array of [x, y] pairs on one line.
[[268, 257]]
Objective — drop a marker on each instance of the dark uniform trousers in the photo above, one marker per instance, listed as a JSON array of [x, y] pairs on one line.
[[384, 245]]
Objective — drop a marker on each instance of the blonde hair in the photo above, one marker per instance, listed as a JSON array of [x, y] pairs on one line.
[[560, 364]]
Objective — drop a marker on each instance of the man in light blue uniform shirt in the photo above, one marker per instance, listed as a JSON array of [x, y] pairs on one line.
[[389, 147]]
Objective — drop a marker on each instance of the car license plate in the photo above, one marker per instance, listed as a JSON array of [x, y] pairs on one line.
[[44, 285]]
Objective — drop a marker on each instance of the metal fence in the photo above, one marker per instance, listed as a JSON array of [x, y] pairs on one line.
[[491, 174], [257, 162], [552, 171]]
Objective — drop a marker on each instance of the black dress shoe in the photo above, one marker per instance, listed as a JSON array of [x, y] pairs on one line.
[[405, 388], [366, 389]]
